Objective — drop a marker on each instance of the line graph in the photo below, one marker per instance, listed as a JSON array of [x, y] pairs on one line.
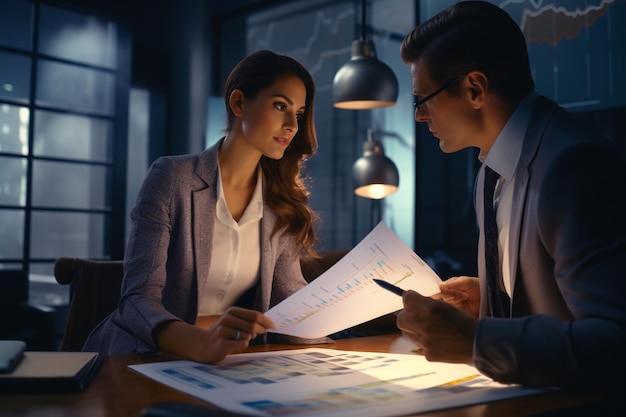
[[577, 48], [327, 27], [551, 24]]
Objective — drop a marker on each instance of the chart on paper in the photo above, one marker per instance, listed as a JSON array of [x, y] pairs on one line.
[[317, 382], [331, 294], [346, 295]]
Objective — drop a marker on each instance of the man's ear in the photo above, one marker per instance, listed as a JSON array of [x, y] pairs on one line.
[[478, 88], [235, 101]]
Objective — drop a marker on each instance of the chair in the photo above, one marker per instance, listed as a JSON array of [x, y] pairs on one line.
[[94, 294], [314, 267]]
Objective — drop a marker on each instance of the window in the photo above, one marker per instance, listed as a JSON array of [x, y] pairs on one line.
[[62, 136]]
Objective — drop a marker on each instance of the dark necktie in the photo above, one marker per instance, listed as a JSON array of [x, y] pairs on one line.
[[498, 299]]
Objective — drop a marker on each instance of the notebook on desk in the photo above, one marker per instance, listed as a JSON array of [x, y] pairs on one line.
[[51, 372], [11, 353]]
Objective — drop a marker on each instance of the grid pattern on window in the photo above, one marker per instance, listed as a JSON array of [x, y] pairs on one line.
[[58, 77]]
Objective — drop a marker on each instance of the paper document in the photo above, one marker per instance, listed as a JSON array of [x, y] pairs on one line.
[[329, 383], [345, 295]]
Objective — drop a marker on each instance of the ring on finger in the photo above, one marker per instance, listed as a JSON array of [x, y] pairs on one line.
[[237, 334]]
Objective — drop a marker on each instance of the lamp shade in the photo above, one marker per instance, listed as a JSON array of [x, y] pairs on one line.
[[364, 82], [374, 175]]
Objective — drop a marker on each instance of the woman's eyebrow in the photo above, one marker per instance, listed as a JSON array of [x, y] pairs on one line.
[[287, 99]]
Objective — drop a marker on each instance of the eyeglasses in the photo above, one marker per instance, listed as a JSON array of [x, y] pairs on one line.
[[418, 104]]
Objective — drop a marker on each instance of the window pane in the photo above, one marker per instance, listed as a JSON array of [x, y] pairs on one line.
[[14, 77], [65, 185], [14, 121], [43, 289], [74, 88], [12, 232], [68, 136], [55, 234], [10, 266], [43, 272], [12, 182], [77, 37], [16, 23]]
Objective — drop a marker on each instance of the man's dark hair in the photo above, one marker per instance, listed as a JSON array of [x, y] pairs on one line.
[[473, 35]]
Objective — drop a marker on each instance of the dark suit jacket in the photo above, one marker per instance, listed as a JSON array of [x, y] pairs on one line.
[[169, 253], [567, 257]]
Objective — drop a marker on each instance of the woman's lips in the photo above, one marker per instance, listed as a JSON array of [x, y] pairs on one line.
[[281, 140]]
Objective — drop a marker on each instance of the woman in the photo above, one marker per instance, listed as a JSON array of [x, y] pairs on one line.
[[217, 236]]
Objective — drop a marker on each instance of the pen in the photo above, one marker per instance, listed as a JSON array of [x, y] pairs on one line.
[[389, 287]]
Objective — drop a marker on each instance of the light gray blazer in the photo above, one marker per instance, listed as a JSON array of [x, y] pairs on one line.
[[567, 256], [169, 254]]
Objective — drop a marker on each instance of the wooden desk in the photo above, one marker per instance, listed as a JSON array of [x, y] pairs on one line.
[[119, 392]]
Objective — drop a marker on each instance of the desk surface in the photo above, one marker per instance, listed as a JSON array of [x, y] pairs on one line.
[[119, 392]]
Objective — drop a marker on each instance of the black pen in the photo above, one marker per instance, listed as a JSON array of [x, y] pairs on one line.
[[389, 287]]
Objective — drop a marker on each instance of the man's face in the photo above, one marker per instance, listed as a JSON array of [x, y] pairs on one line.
[[450, 118]]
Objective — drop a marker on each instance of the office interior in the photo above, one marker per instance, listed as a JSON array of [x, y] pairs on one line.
[[93, 91]]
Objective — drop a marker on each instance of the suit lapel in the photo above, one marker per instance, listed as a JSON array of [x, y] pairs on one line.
[[541, 115]]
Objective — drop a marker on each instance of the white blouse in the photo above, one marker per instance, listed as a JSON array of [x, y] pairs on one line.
[[236, 256]]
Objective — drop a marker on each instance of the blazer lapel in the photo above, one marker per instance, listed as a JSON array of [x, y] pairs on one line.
[[542, 113], [203, 203]]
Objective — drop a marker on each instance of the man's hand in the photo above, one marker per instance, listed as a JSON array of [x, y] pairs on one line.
[[462, 292], [445, 333]]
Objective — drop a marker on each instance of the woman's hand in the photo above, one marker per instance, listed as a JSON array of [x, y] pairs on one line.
[[462, 292], [231, 332]]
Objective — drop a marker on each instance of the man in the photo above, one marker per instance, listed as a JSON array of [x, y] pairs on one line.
[[557, 312]]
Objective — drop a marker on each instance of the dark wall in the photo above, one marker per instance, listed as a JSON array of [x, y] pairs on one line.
[[171, 56]]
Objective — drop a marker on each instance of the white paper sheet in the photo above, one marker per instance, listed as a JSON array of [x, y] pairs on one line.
[[345, 295], [317, 382]]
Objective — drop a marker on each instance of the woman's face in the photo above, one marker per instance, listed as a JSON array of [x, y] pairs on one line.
[[270, 121]]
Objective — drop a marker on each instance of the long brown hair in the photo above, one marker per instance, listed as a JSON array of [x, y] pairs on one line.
[[285, 189]]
